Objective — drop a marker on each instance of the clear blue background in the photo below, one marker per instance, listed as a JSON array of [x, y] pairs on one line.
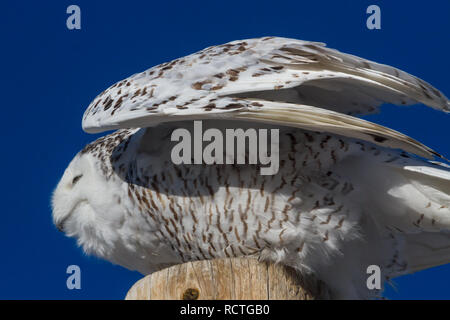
[[50, 74]]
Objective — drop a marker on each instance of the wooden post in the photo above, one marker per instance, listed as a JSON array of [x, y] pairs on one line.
[[227, 279]]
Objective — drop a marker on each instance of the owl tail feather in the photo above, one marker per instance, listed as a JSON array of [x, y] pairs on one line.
[[430, 188], [410, 198], [426, 250]]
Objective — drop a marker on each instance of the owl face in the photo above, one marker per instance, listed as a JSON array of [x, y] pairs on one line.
[[83, 204], [69, 197]]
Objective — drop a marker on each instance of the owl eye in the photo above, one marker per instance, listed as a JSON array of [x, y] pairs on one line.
[[75, 180]]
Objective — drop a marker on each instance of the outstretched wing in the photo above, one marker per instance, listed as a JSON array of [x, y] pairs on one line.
[[255, 78]]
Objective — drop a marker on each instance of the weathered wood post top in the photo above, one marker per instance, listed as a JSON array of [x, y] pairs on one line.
[[227, 279]]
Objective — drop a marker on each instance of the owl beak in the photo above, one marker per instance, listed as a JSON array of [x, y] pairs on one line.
[[60, 225]]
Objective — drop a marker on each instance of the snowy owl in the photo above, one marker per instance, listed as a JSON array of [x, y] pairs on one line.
[[347, 193]]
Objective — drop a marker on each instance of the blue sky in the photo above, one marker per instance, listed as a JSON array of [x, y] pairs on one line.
[[50, 74]]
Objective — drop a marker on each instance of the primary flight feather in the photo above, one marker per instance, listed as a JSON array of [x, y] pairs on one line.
[[348, 194]]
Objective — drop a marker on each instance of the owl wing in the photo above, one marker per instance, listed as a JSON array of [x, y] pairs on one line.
[[272, 69], [275, 80]]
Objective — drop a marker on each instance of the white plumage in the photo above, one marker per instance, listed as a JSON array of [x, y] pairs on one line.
[[349, 193]]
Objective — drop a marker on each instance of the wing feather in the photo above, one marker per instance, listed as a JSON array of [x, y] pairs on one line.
[[290, 79], [274, 69]]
